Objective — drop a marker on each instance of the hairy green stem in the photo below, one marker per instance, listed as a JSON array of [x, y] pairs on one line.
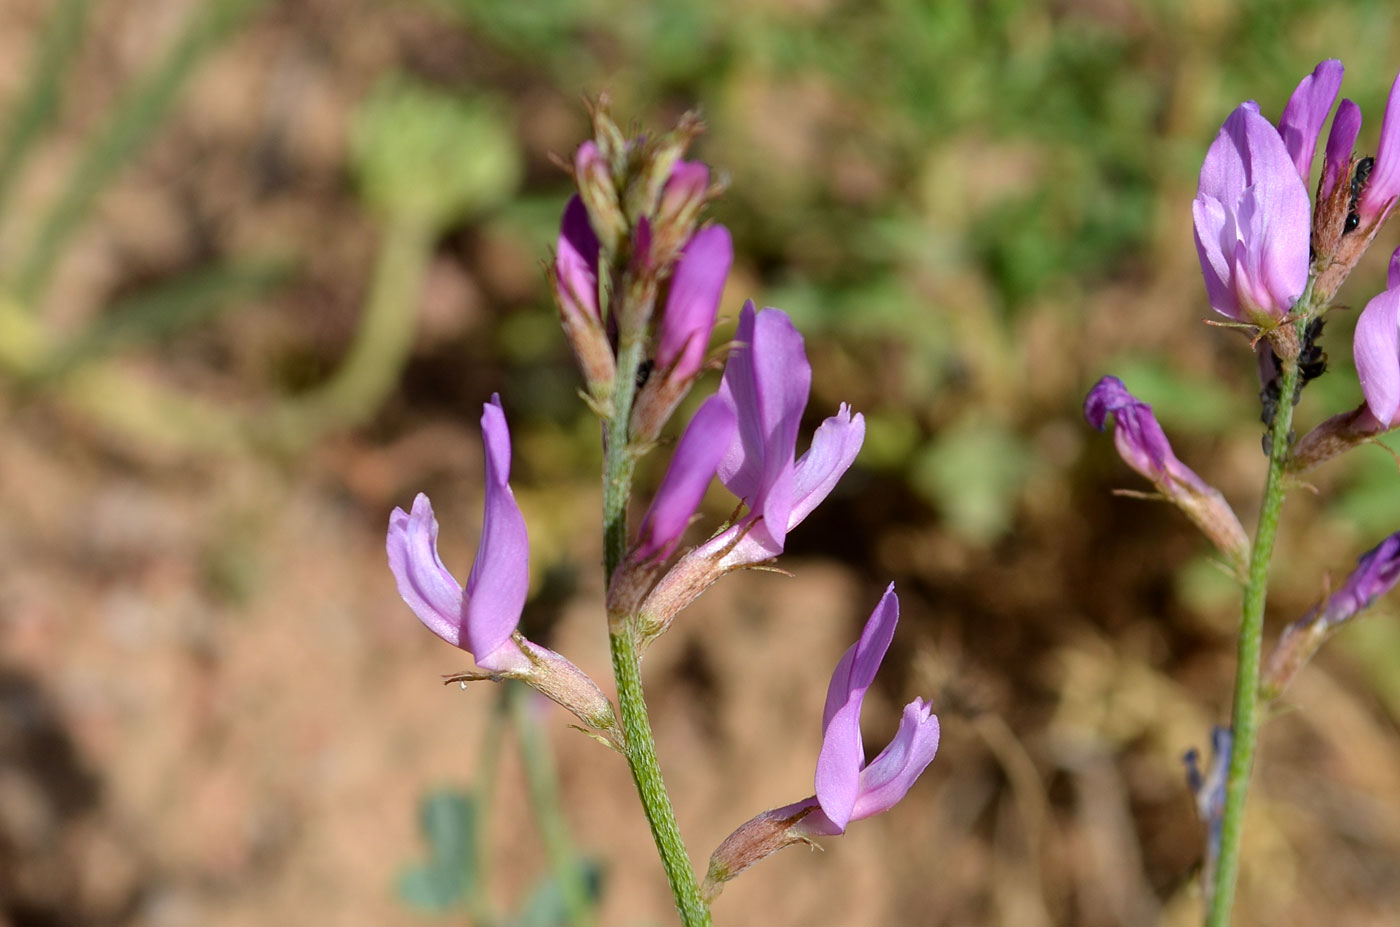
[[1246, 718], [618, 463], [543, 786]]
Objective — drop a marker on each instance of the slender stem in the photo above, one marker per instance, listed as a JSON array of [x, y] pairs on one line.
[[566, 867], [1246, 712], [618, 463]]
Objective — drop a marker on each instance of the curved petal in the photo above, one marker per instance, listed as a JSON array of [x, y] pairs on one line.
[[1307, 109], [1392, 274], [692, 467], [1341, 142], [835, 445], [427, 587], [890, 775], [696, 288], [1376, 347], [500, 576], [843, 753], [1384, 185], [1139, 438], [766, 382]]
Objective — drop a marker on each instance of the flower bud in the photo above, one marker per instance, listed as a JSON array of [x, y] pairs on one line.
[[599, 191], [1377, 571], [576, 290], [1143, 446]]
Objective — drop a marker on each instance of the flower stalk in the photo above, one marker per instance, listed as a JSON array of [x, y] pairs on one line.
[[619, 461], [1246, 714]]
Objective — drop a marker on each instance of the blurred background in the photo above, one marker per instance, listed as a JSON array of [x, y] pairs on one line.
[[260, 264]]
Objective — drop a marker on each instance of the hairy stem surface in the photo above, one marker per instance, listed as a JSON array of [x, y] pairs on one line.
[[618, 462], [1246, 711]]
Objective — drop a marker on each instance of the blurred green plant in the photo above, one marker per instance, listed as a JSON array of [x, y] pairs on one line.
[[425, 160], [455, 825]]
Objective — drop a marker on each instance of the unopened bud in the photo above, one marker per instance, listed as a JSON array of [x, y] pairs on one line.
[[599, 191], [576, 289]]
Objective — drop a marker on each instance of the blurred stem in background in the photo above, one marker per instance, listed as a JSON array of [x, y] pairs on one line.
[[38, 104], [383, 340], [1245, 723], [542, 781], [137, 114]]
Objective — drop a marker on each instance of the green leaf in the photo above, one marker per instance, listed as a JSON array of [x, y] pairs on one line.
[[448, 820], [545, 905], [422, 152], [973, 472]]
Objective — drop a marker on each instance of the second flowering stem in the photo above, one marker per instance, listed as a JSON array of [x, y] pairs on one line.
[[1246, 719]]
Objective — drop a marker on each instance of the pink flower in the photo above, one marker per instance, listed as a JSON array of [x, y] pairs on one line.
[[689, 474], [1252, 220], [482, 618]]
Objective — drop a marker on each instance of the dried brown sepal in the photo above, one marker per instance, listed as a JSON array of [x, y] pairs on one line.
[[1338, 434], [563, 683], [754, 841]]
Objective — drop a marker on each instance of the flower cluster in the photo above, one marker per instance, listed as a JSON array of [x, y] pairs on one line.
[[630, 240]]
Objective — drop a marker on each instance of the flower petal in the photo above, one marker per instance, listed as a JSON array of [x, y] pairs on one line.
[[1214, 228], [696, 288], [1376, 347], [427, 587], [843, 752], [500, 576], [835, 445], [1384, 184], [1307, 109], [692, 467], [576, 261], [890, 775], [1392, 275], [766, 382]]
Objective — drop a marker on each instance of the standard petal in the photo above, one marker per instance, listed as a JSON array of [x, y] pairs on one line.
[[1341, 142], [1307, 109], [424, 583], [1384, 185], [1376, 347], [690, 310], [500, 576], [890, 775], [692, 467], [766, 382], [843, 752], [835, 445], [1223, 174]]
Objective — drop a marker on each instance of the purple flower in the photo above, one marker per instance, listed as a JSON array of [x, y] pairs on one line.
[[696, 288], [576, 263], [481, 619], [1383, 187], [692, 467], [1377, 571], [1143, 446], [1376, 348], [1140, 440], [849, 789], [1252, 220], [766, 382], [1307, 109]]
